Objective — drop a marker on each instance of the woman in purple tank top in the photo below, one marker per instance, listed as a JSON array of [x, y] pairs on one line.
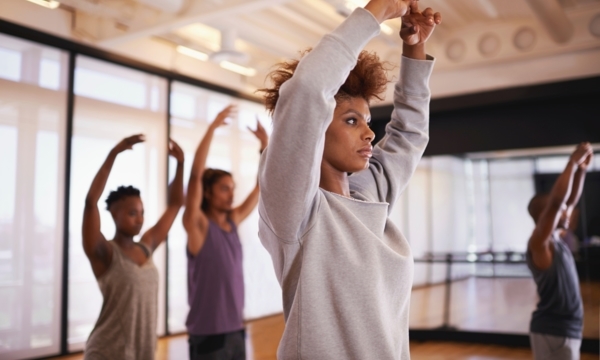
[[214, 252]]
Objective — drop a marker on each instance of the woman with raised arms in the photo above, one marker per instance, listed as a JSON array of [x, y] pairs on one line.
[[345, 269]]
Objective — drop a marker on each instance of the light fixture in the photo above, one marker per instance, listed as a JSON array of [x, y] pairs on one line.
[[386, 29], [237, 68], [192, 53], [50, 4]]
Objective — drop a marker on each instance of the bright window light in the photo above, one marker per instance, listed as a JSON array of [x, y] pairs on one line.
[[192, 53], [237, 68], [50, 4], [353, 4]]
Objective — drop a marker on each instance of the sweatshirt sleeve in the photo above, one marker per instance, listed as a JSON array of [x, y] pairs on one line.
[[289, 171], [396, 156]]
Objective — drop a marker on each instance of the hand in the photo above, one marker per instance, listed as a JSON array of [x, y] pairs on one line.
[[586, 163], [384, 10], [228, 112], [128, 142], [582, 153], [175, 151], [417, 26], [261, 134]]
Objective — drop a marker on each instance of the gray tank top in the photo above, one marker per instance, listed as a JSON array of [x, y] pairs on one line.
[[126, 327], [560, 310]]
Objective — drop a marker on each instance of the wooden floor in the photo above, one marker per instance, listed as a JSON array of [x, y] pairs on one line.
[[264, 335], [494, 305]]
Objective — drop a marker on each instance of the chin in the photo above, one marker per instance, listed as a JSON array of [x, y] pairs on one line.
[[359, 167]]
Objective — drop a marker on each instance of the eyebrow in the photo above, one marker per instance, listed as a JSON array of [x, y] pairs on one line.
[[352, 111]]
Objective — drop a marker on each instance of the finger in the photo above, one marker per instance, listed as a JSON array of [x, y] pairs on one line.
[[414, 7], [408, 31], [428, 12], [135, 139], [437, 18], [173, 145], [229, 109]]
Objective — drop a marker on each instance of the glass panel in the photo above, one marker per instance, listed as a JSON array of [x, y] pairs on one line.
[[113, 102], [233, 149], [32, 130], [511, 188], [551, 164]]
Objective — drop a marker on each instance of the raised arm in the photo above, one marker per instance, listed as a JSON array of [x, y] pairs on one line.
[[578, 182], [396, 156], [194, 220], [94, 243], [241, 212], [290, 167], [158, 233], [539, 243]]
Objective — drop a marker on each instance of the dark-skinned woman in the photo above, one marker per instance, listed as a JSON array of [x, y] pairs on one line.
[[345, 269], [127, 277]]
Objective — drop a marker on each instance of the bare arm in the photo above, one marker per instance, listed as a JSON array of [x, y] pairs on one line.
[[95, 245], [579, 181], [241, 212], [158, 233], [539, 243], [194, 220]]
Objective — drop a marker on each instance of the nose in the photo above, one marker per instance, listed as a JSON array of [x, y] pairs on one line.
[[368, 134]]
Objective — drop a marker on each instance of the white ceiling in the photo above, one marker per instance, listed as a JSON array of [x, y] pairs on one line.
[[488, 35]]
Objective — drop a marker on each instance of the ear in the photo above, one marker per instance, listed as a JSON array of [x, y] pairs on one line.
[[114, 211]]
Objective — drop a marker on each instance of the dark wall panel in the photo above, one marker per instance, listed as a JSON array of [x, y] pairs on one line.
[[537, 116]]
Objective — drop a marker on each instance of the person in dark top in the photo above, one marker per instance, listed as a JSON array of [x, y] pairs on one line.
[[215, 277], [557, 323]]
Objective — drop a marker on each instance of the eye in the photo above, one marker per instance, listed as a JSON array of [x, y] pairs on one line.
[[351, 121]]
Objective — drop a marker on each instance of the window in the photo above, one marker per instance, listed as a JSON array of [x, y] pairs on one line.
[[32, 144]]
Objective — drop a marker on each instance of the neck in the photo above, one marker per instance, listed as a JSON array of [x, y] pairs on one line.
[[333, 180], [122, 239], [218, 216]]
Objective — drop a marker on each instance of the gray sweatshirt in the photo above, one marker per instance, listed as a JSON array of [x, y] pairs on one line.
[[345, 269]]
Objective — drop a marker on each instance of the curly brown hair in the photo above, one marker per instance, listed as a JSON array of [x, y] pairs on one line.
[[367, 80]]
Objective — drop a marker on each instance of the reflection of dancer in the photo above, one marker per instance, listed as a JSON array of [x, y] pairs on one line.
[[215, 278], [346, 271], [127, 277], [557, 322]]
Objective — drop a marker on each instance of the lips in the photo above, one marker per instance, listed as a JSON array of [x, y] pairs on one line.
[[366, 151]]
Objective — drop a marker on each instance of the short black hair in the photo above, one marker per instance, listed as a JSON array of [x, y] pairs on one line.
[[121, 193]]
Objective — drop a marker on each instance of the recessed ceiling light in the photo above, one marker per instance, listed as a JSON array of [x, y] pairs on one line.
[[237, 68], [50, 4], [192, 53]]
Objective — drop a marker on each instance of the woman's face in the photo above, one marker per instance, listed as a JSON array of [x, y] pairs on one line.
[[128, 214], [220, 196], [348, 138]]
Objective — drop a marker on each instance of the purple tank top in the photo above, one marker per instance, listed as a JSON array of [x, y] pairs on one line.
[[216, 284]]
